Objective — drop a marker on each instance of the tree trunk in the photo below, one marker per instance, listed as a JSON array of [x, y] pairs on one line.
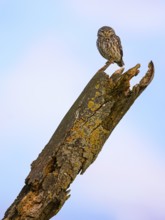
[[77, 142]]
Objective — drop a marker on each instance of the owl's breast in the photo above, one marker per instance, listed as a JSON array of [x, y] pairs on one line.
[[104, 48]]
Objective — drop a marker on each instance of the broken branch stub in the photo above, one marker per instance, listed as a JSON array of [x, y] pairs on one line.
[[77, 142]]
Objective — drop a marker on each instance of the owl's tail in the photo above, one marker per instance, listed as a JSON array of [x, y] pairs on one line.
[[121, 63]]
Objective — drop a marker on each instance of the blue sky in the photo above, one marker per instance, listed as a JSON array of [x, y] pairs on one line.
[[48, 54]]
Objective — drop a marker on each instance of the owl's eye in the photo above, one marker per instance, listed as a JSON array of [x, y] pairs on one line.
[[101, 33]]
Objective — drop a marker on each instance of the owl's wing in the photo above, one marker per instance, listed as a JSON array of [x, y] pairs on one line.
[[119, 45]]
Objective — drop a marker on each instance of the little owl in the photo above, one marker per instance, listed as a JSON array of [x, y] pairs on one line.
[[109, 45]]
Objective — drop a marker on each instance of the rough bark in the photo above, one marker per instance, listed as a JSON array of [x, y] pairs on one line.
[[77, 142]]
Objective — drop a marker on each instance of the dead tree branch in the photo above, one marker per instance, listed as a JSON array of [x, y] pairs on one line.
[[76, 142]]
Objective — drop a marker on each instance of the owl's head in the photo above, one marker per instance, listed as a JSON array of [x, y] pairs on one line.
[[105, 31]]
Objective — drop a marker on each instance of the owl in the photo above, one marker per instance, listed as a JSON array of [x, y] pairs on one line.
[[109, 45]]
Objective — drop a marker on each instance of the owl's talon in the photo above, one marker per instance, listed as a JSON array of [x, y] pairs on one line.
[[107, 64]]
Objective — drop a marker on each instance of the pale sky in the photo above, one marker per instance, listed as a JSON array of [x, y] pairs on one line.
[[48, 55]]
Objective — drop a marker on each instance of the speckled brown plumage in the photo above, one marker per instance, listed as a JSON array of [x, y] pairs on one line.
[[109, 45]]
